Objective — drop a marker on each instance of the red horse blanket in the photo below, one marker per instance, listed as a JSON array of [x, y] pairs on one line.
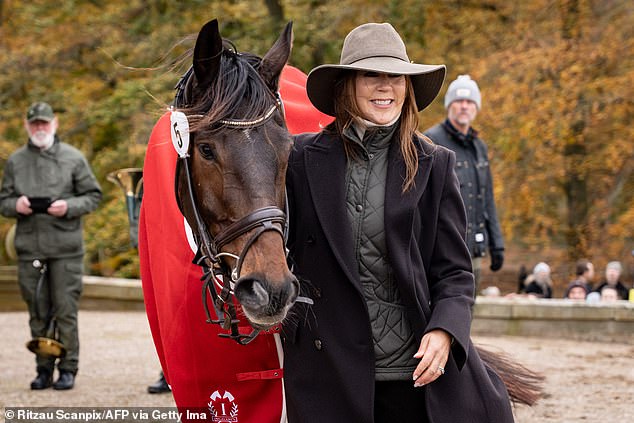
[[226, 381]]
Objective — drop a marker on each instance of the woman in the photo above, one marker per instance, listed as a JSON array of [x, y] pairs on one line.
[[377, 227], [539, 284]]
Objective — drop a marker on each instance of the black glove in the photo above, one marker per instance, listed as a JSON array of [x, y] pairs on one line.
[[497, 260]]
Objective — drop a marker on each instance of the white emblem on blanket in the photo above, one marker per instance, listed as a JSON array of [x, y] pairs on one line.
[[223, 407]]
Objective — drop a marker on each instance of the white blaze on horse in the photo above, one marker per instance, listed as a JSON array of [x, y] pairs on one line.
[[226, 146]]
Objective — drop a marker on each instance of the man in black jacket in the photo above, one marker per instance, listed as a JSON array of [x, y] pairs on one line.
[[462, 102]]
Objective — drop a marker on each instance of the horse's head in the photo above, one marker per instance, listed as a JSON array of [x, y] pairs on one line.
[[236, 168]]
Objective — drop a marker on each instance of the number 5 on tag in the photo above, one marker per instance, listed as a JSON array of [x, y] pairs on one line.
[[180, 133]]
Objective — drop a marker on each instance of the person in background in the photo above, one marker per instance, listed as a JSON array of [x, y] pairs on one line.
[[521, 279], [609, 294], [613, 273], [539, 284], [377, 230], [160, 386], [48, 186], [584, 273], [576, 290], [463, 101], [491, 291]]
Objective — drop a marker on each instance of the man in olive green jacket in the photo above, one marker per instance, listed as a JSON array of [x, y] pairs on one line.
[[48, 185]]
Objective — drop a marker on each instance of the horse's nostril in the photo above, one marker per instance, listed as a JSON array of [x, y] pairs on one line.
[[251, 292], [294, 290], [254, 292], [261, 296]]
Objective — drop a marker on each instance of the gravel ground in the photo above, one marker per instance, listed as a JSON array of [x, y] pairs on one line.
[[586, 382], [116, 363]]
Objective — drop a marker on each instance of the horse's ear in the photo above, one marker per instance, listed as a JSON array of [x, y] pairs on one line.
[[275, 59], [207, 53]]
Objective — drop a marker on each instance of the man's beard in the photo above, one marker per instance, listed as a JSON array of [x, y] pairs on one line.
[[42, 139]]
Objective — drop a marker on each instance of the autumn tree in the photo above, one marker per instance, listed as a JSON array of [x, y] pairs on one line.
[[556, 78], [561, 123]]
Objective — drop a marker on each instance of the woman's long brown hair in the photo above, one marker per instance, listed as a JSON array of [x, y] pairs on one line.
[[346, 109]]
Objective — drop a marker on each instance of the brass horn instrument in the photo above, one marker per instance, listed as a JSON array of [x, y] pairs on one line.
[[9, 243], [49, 345], [131, 182]]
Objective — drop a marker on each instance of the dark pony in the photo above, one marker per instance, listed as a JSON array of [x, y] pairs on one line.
[[230, 187]]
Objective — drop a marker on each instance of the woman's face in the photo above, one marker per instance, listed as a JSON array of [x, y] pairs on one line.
[[380, 96], [577, 293]]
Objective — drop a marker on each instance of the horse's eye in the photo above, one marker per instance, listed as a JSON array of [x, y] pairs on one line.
[[206, 151]]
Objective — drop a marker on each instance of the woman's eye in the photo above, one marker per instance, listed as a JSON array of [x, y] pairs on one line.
[[371, 74], [206, 151]]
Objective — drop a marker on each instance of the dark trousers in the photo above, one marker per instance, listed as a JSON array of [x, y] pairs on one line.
[[61, 295], [399, 402]]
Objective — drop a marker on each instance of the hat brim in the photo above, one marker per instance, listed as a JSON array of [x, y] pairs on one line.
[[427, 80], [44, 118]]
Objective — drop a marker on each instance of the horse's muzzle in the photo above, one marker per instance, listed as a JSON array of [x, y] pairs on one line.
[[266, 303]]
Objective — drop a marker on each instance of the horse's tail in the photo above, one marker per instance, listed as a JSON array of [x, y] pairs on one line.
[[523, 385]]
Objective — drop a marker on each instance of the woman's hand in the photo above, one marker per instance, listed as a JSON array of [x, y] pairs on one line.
[[434, 353]]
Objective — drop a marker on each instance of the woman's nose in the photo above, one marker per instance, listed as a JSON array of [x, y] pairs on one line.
[[384, 81]]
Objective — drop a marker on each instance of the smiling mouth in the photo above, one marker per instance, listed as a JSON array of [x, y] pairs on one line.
[[382, 102]]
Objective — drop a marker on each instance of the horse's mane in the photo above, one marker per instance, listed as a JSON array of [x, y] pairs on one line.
[[238, 92]]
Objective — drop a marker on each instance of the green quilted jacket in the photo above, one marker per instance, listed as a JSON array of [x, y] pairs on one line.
[[61, 172]]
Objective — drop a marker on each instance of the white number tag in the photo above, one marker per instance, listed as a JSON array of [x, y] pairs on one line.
[[180, 133]]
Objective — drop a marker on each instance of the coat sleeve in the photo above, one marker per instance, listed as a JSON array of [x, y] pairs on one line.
[[451, 280], [87, 191], [496, 241], [8, 196]]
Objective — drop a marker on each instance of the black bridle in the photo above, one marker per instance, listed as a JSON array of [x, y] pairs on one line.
[[216, 272]]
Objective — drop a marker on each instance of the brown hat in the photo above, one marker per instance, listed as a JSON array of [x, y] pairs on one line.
[[374, 47]]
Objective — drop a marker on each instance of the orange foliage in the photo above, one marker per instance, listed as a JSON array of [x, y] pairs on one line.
[[557, 85]]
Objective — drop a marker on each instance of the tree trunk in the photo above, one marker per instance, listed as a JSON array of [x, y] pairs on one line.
[[576, 189], [276, 12], [570, 27], [575, 184]]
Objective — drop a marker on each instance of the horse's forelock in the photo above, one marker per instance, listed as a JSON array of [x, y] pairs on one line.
[[238, 93]]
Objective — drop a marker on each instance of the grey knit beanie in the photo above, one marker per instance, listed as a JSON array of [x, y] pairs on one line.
[[541, 267], [616, 265], [463, 88]]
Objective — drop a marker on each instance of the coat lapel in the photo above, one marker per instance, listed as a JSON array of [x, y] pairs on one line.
[[400, 208], [325, 165]]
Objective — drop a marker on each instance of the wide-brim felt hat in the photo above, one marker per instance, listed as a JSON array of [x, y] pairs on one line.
[[375, 47]]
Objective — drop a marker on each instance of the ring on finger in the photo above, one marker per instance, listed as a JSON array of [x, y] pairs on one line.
[[441, 369]]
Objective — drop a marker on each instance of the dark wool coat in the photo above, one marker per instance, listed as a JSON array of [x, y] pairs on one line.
[[476, 187], [329, 355]]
